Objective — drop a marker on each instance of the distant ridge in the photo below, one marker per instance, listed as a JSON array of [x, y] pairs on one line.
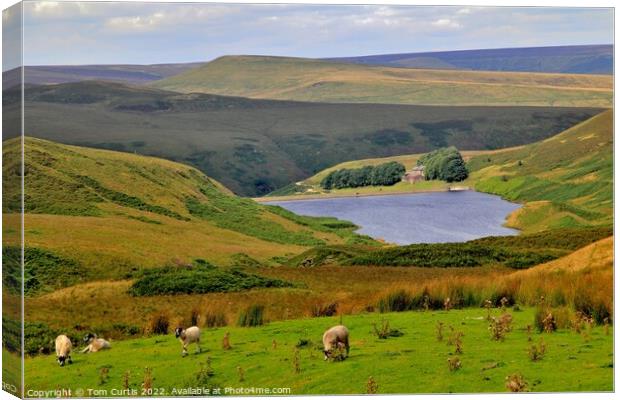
[[124, 73], [584, 59]]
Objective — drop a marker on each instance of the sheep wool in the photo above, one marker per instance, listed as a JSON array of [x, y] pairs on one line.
[[335, 337], [188, 336], [63, 348]]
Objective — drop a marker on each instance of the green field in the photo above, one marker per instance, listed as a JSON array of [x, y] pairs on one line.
[[256, 146], [415, 362], [305, 79]]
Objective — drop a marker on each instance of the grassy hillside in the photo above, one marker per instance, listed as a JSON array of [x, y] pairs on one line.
[[107, 213], [311, 188], [585, 352], [415, 362], [588, 59], [562, 181], [256, 146], [566, 180], [322, 81]]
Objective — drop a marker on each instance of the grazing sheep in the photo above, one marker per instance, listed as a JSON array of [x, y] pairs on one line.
[[95, 344], [337, 336], [187, 337], [63, 347]]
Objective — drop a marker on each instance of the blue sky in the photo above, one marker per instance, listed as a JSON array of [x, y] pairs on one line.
[[146, 33]]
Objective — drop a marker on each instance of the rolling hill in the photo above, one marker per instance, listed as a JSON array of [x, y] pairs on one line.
[[254, 146], [566, 180], [322, 81], [104, 214], [51, 74], [563, 181], [586, 59]]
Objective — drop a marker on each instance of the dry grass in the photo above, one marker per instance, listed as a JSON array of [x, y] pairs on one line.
[[559, 281], [314, 80], [104, 243]]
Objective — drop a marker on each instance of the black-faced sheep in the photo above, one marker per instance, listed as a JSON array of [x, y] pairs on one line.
[[63, 348], [187, 337], [95, 344], [335, 337]]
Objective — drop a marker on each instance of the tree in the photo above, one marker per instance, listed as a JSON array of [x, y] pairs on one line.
[[381, 175], [444, 164]]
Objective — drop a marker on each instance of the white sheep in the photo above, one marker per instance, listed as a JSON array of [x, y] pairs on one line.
[[187, 337], [63, 347], [337, 336], [95, 344]]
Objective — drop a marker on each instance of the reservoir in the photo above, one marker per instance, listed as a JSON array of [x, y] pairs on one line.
[[416, 218]]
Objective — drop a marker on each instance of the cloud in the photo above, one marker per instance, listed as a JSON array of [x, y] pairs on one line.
[[137, 23], [152, 32], [446, 23]]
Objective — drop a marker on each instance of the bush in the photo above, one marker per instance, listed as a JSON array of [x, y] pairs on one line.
[[384, 331], [544, 320], [396, 301], [11, 334], [159, 324], [215, 319], [588, 304], [44, 270], [198, 278], [252, 316], [468, 254], [324, 310]]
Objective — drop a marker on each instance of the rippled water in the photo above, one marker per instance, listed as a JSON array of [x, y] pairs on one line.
[[416, 218]]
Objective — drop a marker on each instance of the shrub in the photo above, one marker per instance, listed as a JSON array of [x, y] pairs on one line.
[[544, 320], [147, 381], [252, 316], [516, 383], [196, 279], [215, 319], [371, 386], [296, 361], [439, 329], [396, 301], [592, 305], [226, 341], [159, 324], [500, 326], [324, 310], [194, 317], [44, 270], [537, 352], [454, 363], [384, 331]]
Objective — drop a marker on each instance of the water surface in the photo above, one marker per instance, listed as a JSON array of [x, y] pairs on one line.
[[416, 218]]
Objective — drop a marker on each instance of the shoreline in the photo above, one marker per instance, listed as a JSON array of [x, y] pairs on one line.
[[340, 195]]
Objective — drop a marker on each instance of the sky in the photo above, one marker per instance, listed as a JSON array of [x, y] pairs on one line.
[[57, 33]]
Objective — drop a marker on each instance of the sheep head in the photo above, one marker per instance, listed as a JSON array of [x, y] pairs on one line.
[[178, 332]]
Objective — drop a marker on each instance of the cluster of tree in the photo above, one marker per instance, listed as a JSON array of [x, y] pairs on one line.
[[444, 164], [381, 175]]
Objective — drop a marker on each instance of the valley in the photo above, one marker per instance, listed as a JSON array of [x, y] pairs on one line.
[[257, 146], [161, 201]]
